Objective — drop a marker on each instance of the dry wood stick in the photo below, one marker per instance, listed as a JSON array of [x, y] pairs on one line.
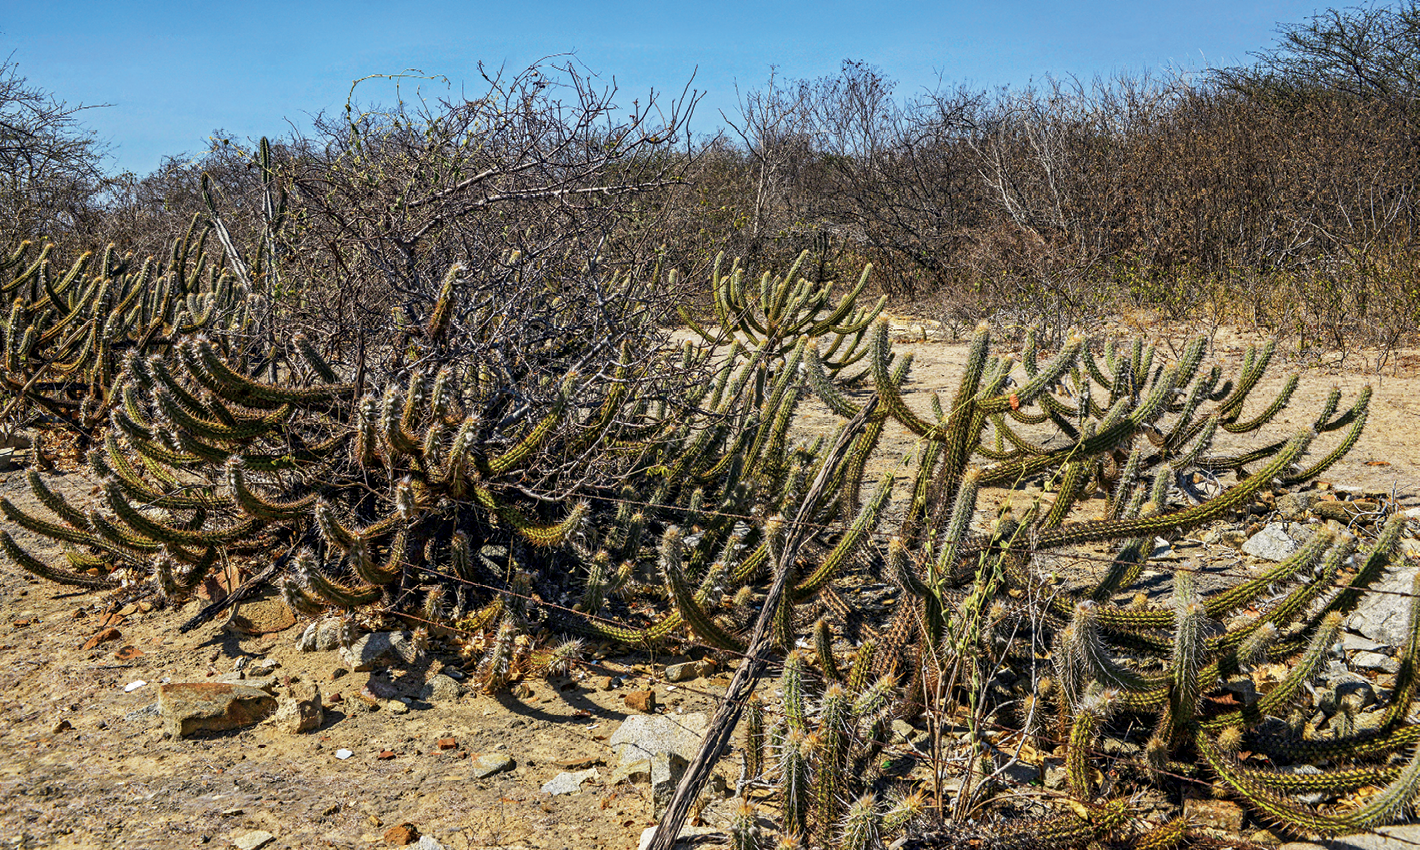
[[750, 669]]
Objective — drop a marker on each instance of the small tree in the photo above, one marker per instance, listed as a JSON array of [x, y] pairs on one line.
[[1364, 51], [50, 164]]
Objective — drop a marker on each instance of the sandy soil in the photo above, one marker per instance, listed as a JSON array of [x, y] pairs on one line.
[[115, 780]]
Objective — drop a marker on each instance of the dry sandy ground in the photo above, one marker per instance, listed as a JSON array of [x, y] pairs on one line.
[[115, 781]]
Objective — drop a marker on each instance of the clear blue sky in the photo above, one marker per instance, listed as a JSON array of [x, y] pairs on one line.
[[175, 72]]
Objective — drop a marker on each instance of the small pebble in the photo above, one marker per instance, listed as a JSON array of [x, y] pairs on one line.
[[133, 686], [343, 754]]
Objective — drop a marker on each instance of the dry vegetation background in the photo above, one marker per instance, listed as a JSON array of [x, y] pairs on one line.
[[1279, 195]]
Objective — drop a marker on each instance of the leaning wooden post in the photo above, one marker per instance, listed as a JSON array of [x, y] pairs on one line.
[[727, 716]]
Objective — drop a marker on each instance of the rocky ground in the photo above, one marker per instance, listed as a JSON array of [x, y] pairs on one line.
[[121, 732]]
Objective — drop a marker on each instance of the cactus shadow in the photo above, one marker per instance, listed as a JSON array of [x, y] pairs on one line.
[[572, 698]]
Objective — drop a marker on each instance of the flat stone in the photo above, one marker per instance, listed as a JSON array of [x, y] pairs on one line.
[[569, 783], [1215, 814], [192, 707], [264, 614], [441, 688], [1375, 661], [902, 731], [491, 764], [643, 736], [103, 636], [1352, 642], [1163, 551], [253, 839], [1403, 837], [1384, 614], [1272, 543], [378, 650], [296, 714], [427, 843], [1019, 773], [240, 678]]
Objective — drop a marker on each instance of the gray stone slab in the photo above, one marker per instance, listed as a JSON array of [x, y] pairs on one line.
[[1272, 543], [642, 736], [1383, 615], [569, 783]]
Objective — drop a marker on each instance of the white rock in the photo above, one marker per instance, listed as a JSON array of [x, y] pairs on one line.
[[133, 686], [252, 840], [343, 754], [569, 783], [1272, 543]]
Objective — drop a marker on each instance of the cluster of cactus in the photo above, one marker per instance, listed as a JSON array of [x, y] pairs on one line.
[[808, 756], [723, 480], [644, 501], [66, 334], [424, 500], [1140, 434]]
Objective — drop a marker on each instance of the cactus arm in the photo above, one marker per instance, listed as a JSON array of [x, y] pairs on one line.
[[30, 564]]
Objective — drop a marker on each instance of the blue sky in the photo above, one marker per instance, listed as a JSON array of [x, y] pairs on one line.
[[175, 72]]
